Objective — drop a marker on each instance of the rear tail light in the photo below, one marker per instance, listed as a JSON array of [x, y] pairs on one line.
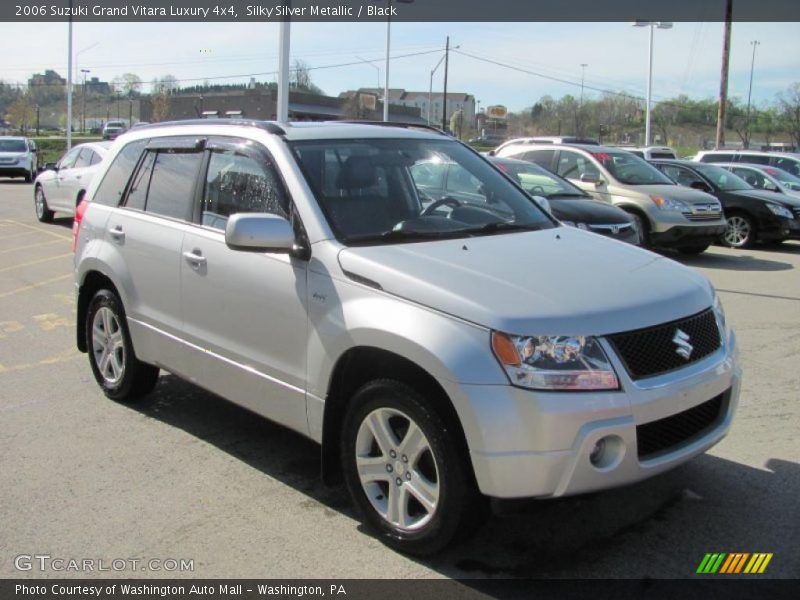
[[76, 222]]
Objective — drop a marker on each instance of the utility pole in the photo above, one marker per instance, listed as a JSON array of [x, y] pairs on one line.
[[723, 86], [444, 98], [83, 101], [69, 80], [579, 128], [755, 44]]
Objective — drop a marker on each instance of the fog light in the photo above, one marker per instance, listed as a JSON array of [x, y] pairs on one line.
[[597, 452]]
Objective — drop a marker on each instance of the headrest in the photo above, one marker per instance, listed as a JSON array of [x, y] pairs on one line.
[[357, 172]]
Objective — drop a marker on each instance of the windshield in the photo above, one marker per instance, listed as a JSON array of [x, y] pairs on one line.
[[787, 179], [630, 169], [537, 180], [722, 178], [400, 190], [13, 146]]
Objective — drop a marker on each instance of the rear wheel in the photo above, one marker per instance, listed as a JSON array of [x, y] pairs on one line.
[[741, 231], [403, 469], [122, 376], [43, 213]]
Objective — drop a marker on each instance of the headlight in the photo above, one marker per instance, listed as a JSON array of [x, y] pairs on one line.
[[669, 204], [779, 210], [719, 311], [554, 362]]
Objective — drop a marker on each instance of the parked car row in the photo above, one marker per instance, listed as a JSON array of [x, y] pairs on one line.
[[19, 157]]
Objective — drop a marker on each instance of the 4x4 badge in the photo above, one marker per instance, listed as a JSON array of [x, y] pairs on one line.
[[681, 340]]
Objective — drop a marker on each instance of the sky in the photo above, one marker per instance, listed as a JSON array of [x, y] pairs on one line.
[[536, 59]]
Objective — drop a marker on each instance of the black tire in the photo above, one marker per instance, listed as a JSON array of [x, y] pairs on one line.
[[456, 499], [698, 249], [130, 378], [643, 227], [43, 213], [741, 231], [29, 177]]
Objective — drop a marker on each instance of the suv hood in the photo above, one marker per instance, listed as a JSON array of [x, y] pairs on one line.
[[678, 192], [559, 281], [588, 211], [784, 199]]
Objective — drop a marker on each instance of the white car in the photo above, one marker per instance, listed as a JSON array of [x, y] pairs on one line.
[[62, 187], [763, 177], [18, 158]]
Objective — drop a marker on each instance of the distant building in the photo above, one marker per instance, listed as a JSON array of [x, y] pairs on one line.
[[97, 88], [261, 104], [48, 78], [433, 101]]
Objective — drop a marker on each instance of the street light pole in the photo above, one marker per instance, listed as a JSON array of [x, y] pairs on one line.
[[83, 100], [652, 25], [430, 88], [69, 80], [755, 44], [444, 96], [388, 46]]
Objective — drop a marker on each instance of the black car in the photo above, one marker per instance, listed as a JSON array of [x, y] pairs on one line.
[[752, 214], [569, 204]]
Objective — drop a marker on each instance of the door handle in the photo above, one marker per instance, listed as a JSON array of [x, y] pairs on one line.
[[195, 259], [78, 176], [117, 233]]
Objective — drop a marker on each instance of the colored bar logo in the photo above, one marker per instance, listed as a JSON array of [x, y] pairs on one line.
[[735, 562]]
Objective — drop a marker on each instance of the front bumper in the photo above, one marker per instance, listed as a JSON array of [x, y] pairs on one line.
[[535, 444], [17, 170], [687, 235]]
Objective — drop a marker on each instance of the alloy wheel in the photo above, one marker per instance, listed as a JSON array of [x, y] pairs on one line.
[[108, 345], [738, 232]]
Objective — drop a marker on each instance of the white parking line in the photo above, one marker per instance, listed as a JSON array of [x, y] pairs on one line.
[[35, 285], [29, 246], [41, 230]]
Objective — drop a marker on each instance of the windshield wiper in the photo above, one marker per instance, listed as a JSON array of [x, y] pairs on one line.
[[502, 226], [566, 195], [406, 235]]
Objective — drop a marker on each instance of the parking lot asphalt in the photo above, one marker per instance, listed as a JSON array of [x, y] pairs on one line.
[[187, 475]]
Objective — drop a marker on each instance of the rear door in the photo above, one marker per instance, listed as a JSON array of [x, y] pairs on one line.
[[71, 179], [57, 189], [147, 232], [244, 312]]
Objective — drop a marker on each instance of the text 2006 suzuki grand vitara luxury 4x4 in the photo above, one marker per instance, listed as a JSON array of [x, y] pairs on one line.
[[441, 351]]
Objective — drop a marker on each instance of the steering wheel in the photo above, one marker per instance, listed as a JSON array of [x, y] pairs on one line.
[[447, 200], [537, 190]]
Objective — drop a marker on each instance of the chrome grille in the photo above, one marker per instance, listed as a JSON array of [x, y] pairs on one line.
[[654, 350]]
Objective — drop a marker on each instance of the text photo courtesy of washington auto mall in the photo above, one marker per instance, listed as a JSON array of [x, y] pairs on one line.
[[420, 298]]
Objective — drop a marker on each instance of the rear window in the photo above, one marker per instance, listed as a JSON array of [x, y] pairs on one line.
[[116, 178]]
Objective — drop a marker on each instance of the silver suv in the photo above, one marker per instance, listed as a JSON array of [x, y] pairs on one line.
[[440, 353], [666, 214]]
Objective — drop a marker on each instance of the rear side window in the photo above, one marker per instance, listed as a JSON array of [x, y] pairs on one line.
[[116, 178], [96, 158], [572, 165], [171, 190], [69, 160], [84, 159], [238, 183], [717, 157]]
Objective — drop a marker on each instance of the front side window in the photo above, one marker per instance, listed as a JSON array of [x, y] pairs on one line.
[[629, 169], [789, 165], [69, 158], [723, 179], [369, 191], [754, 178], [758, 159], [680, 175], [716, 157], [543, 158], [573, 165], [238, 183]]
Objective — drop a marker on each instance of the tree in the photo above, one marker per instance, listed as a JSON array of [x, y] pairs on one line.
[[21, 113], [789, 107], [168, 84], [302, 78], [128, 84], [161, 107]]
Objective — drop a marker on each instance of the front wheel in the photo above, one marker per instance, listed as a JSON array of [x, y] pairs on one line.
[[43, 213], [741, 232], [403, 469], [122, 376], [643, 228]]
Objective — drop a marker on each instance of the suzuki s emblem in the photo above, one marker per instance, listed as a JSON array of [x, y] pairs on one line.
[[681, 340]]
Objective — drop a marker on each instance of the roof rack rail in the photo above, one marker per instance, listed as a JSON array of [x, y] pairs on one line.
[[269, 126], [399, 124]]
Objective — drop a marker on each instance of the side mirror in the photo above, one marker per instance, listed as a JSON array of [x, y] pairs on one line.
[[700, 185], [490, 153], [259, 232], [770, 187], [51, 166], [591, 178]]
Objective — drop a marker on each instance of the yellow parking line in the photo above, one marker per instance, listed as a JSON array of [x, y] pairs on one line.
[[16, 235], [29, 246], [35, 285], [35, 262], [43, 230]]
